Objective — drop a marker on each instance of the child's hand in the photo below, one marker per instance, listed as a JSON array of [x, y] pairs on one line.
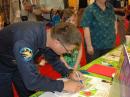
[[76, 75], [72, 86]]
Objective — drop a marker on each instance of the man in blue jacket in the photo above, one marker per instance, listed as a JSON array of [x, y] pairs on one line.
[[18, 45]]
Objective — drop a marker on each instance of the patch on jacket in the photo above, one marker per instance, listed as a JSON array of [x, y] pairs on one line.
[[26, 53]]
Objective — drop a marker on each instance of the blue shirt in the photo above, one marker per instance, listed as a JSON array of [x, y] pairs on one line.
[[20, 42], [101, 24]]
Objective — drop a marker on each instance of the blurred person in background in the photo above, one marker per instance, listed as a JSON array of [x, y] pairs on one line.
[[99, 25]]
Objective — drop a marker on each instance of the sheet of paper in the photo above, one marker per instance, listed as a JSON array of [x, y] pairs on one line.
[[95, 87]]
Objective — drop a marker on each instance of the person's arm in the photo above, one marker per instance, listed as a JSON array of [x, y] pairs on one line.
[[54, 59], [116, 27], [120, 10], [87, 37], [86, 22], [33, 80], [116, 6], [29, 73], [78, 58], [64, 61]]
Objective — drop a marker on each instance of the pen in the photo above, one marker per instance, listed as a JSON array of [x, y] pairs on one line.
[[79, 77], [84, 72]]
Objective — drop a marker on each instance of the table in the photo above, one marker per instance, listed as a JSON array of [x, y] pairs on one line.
[[110, 59]]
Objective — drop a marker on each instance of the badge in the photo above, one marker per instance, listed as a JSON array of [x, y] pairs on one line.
[[26, 53]]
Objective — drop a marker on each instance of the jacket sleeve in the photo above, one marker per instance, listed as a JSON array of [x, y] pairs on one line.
[[30, 75], [54, 59]]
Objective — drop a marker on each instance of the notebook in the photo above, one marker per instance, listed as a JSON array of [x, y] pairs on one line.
[[102, 70]]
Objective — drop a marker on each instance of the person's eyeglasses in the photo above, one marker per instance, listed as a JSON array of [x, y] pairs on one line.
[[68, 51]]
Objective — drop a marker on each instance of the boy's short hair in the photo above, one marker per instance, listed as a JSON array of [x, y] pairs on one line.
[[67, 33]]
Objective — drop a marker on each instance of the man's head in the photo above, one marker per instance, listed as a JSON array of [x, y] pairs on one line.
[[65, 38]]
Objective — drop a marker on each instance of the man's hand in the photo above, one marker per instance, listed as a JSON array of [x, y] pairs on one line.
[[76, 75], [72, 86]]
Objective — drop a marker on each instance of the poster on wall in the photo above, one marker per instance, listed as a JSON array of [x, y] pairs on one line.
[[124, 76]]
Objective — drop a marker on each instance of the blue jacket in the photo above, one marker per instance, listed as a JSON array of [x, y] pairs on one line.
[[18, 38]]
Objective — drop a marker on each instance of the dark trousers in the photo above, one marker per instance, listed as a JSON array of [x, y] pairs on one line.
[[9, 74], [97, 54]]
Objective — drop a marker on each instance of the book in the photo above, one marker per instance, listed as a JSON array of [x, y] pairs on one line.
[[102, 70]]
